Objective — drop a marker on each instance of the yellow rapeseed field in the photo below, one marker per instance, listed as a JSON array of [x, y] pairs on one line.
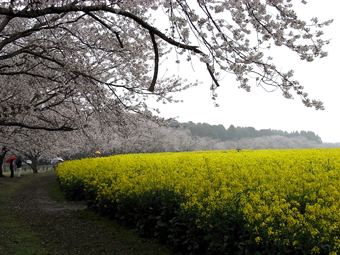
[[286, 199]]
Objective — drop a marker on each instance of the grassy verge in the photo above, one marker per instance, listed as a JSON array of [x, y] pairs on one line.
[[21, 239], [126, 239], [15, 238]]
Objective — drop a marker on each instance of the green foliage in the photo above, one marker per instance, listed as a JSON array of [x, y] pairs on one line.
[[74, 189], [159, 216], [235, 133]]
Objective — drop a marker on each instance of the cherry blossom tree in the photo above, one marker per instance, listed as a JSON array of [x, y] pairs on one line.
[[148, 137], [6, 143], [64, 61], [36, 144], [144, 136], [30, 144]]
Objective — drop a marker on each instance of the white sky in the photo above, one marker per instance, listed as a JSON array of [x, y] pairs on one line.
[[261, 109]]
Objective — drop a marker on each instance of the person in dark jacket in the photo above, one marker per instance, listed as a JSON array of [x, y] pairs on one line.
[[18, 163]]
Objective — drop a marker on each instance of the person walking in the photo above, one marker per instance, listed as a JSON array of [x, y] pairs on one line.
[[18, 163]]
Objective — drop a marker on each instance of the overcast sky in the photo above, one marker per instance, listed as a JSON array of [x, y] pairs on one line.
[[261, 109]]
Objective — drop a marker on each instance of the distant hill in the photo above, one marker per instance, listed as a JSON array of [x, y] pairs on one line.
[[235, 133]]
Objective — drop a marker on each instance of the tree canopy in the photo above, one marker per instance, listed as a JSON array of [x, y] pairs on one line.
[[65, 61]]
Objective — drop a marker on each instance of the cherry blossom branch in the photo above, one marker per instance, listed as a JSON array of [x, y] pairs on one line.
[[155, 74], [107, 26], [88, 9], [66, 60], [19, 124]]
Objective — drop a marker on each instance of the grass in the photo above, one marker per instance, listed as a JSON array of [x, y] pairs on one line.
[[20, 239], [15, 238]]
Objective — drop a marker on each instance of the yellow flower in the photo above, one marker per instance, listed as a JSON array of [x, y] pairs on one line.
[[258, 239], [315, 250], [278, 193]]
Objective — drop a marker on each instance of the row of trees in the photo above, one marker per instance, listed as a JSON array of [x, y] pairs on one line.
[[236, 133], [76, 76], [140, 136]]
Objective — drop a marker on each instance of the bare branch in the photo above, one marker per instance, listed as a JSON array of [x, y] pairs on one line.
[[107, 26], [155, 74], [41, 127], [212, 75]]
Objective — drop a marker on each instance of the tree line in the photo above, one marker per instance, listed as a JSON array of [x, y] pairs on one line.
[[233, 133], [141, 135]]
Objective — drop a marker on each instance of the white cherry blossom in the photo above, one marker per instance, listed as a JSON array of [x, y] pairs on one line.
[[64, 61]]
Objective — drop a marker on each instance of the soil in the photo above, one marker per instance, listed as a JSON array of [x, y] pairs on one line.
[[65, 226]]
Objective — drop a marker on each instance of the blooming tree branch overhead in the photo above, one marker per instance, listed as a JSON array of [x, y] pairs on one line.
[[62, 62]]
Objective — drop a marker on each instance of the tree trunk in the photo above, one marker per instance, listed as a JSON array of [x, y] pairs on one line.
[[2, 159], [34, 165], [34, 157], [1, 167]]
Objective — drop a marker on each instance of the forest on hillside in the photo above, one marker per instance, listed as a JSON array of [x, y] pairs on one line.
[[219, 132]]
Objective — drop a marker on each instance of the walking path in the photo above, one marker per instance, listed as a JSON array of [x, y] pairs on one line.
[[67, 228]]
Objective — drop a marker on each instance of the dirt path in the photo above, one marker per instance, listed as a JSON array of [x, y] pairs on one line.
[[66, 227]]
